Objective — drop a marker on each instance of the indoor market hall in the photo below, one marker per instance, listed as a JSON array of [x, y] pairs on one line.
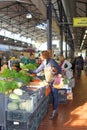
[[73, 114]]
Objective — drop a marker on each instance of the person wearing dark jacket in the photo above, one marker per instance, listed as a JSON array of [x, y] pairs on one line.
[[79, 66], [56, 69]]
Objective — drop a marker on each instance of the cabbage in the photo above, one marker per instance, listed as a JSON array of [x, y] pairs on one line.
[[22, 105], [12, 106], [18, 91], [19, 84], [27, 105], [14, 96]]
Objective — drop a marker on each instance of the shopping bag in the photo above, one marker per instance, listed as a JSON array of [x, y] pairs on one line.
[[69, 73], [58, 82]]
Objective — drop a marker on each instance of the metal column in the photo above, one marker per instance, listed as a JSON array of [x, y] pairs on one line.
[[61, 29], [49, 25], [66, 45]]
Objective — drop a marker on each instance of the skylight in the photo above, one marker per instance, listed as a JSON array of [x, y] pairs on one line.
[[42, 26], [14, 36]]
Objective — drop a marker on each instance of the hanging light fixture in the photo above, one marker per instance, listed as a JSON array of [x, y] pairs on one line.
[[29, 16]]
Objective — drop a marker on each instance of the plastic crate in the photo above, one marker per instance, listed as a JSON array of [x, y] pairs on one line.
[[40, 95], [21, 116], [41, 111], [29, 90], [2, 110], [17, 125], [25, 102], [62, 96], [39, 92]]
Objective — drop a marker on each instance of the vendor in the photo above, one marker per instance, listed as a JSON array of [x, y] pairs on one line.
[[23, 59], [31, 59]]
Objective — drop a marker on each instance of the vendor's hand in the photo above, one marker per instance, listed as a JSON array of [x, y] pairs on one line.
[[30, 71]]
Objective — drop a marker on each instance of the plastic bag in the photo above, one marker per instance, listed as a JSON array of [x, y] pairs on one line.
[[58, 82], [69, 73]]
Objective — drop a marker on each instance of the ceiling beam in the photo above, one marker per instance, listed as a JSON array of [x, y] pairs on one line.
[[42, 8]]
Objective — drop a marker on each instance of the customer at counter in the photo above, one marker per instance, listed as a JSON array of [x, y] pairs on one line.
[[48, 62]]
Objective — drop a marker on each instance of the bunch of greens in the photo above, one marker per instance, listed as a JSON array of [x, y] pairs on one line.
[[29, 66], [16, 75], [7, 85]]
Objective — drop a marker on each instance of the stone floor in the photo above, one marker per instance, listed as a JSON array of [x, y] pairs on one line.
[[73, 114]]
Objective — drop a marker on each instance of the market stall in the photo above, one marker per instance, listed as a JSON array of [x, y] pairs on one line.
[[25, 99], [23, 103]]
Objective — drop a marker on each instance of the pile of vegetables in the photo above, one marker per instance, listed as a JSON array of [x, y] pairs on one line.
[[13, 80], [16, 75], [7, 85], [29, 66]]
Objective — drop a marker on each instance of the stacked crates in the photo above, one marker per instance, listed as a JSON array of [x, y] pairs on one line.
[[40, 95], [2, 111], [27, 118], [41, 111]]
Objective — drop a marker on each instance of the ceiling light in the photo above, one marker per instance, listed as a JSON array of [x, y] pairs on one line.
[[85, 31], [15, 41], [84, 36], [29, 16]]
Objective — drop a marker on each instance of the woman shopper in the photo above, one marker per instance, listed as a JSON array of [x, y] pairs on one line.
[[46, 64]]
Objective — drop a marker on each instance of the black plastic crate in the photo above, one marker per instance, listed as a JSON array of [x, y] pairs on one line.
[[2, 110], [62, 96], [17, 116], [20, 126], [16, 125]]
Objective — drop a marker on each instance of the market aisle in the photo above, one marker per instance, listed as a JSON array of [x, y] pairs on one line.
[[73, 115]]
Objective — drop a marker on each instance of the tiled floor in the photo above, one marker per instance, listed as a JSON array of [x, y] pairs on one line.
[[73, 114]]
